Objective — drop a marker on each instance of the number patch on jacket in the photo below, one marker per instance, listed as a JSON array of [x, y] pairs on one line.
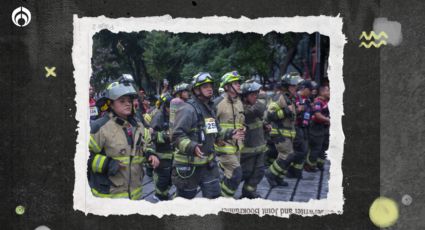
[[210, 126], [93, 111]]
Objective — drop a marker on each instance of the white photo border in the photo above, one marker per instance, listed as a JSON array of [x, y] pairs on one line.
[[86, 27]]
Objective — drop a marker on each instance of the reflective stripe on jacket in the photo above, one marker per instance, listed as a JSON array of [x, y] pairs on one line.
[[188, 131], [255, 141], [230, 115], [118, 148], [281, 116], [161, 135]]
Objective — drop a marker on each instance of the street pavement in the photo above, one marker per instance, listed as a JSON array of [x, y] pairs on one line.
[[311, 186]]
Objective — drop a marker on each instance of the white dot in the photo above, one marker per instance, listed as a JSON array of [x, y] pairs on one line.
[[406, 199], [42, 227]]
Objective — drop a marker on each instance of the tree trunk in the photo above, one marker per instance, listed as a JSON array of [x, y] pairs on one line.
[[288, 58], [144, 78], [290, 54]]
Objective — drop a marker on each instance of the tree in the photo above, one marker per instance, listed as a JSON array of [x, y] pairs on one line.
[[151, 56], [205, 55], [107, 64], [252, 55], [290, 40], [164, 55]]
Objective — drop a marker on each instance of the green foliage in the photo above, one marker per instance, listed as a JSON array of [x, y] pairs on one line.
[[153, 56], [164, 54]]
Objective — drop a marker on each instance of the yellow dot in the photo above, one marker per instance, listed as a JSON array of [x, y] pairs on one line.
[[383, 212], [20, 210]]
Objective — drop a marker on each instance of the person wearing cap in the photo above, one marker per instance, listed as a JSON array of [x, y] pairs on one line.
[[231, 119], [252, 153], [119, 144], [281, 114], [164, 149], [194, 132], [319, 131]]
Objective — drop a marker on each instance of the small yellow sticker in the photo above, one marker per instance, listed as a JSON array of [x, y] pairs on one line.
[[383, 212]]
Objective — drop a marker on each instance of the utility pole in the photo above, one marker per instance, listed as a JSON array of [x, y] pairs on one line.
[[317, 69]]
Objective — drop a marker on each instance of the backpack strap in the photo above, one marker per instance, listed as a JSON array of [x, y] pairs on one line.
[[200, 123]]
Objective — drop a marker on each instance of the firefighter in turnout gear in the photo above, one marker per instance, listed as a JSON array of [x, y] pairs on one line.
[[302, 124], [181, 95], [147, 119], [281, 114], [164, 149], [252, 153], [271, 153], [194, 133], [119, 144], [319, 131], [231, 119]]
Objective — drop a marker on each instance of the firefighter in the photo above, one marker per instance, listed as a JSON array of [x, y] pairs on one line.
[[252, 153], [119, 144], [231, 119], [319, 131], [181, 95], [164, 149], [194, 132], [182, 91], [146, 119], [265, 96], [281, 114], [302, 125]]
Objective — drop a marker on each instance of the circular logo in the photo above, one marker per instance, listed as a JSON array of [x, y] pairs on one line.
[[21, 16]]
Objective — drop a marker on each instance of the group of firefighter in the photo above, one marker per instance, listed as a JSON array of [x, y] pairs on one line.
[[198, 142]]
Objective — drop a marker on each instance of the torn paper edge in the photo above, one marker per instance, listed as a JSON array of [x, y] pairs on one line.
[[86, 27]]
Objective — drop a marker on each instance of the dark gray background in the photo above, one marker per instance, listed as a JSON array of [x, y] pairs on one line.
[[402, 113], [38, 128]]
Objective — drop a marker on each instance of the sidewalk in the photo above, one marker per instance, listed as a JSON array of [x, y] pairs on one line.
[[312, 186]]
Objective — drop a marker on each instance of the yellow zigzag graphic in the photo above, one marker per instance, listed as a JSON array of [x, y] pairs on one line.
[[372, 34], [372, 43]]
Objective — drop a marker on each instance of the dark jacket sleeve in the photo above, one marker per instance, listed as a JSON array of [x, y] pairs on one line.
[[98, 161], [149, 148], [278, 110], [184, 125], [254, 111], [160, 129]]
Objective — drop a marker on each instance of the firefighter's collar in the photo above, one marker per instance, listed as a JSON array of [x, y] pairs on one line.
[[232, 100], [122, 122]]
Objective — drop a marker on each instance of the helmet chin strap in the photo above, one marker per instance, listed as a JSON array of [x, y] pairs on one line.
[[234, 90]]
